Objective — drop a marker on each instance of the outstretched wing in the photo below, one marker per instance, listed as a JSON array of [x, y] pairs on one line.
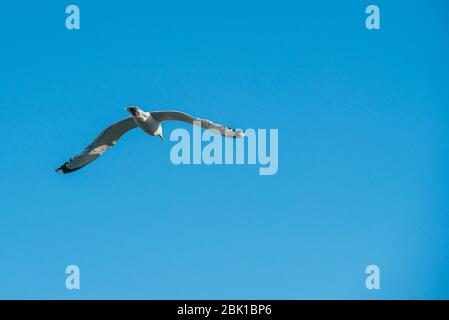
[[103, 142], [181, 116]]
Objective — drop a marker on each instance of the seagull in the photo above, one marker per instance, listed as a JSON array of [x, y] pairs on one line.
[[149, 122]]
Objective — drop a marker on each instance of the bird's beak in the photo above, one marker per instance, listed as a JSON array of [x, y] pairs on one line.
[[162, 138]]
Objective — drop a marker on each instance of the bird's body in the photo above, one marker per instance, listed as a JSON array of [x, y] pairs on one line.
[[149, 122], [146, 122]]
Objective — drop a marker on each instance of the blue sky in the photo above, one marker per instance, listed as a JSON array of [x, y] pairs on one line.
[[363, 141]]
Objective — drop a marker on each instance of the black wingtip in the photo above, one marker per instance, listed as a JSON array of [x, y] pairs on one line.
[[65, 169]]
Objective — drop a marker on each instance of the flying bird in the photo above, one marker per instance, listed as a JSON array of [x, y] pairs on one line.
[[149, 122]]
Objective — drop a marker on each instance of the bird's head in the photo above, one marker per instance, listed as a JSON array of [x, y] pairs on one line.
[[135, 111]]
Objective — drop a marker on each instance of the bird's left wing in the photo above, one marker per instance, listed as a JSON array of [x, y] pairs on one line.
[[103, 142], [181, 116]]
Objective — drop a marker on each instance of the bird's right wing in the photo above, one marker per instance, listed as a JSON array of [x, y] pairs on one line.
[[204, 123], [103, 142]]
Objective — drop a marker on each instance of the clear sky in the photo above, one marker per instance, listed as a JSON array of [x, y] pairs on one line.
[[363, 150]]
